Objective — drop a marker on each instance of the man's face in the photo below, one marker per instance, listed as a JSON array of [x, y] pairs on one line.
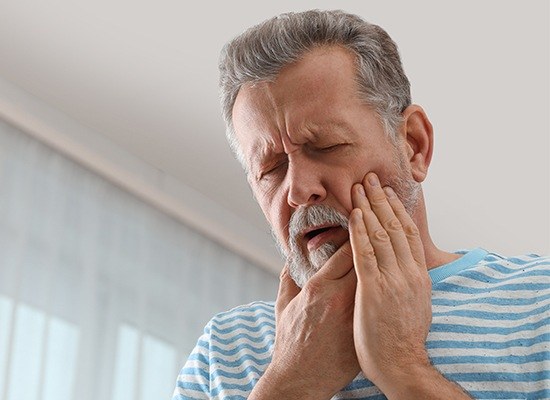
[[306, 138]]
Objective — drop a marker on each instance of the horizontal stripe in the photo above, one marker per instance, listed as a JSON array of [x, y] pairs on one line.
[[266, 333], [481, 330], [521, 275], [221, 352], [486, 315], [543, 282], [451, 287], [489, 323], [516, 294], [242, 337], [537, 395], [258, 328], [482, 359], [510, 269], [232, 387], [503, 301], [187, 371], [502, 376], [232, 351], [502, 353], [520, 343], [260, 317], [187, 396], [193, 386], [495, 368], [494, 337], [245, 358]]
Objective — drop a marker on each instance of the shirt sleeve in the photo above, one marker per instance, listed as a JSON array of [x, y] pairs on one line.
[[193, 381]]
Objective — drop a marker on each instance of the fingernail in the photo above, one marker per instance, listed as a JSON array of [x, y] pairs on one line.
[[389, 192], [373, 180], [361, 190]]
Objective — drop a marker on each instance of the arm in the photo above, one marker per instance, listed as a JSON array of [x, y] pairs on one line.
[[392, 313]]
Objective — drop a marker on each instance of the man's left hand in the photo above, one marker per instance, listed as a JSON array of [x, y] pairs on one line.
[[393, 310]]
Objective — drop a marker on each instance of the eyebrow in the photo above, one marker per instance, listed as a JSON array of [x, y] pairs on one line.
[[266, 149]]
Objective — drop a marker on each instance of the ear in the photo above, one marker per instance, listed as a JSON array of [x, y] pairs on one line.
[[417, 131]]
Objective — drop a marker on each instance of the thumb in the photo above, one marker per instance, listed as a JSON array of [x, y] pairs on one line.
[[338, 265], [288, 290]]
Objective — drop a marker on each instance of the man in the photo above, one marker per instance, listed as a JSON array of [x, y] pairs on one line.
[[318, 112]]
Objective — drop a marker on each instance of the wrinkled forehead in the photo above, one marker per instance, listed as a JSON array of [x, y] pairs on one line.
[[253, 119]]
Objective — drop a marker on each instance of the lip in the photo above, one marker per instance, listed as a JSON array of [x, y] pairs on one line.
[[321, 238]]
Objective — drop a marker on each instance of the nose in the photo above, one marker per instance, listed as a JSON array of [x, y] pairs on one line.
[[305, 186]]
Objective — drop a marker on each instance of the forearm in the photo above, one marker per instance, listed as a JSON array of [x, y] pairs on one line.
[[424, 383], [273, 386]]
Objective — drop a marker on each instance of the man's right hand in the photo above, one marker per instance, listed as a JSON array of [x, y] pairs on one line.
[[314, 355]]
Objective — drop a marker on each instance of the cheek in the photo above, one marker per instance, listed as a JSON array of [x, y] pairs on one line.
[[384, 170], [277, 213]]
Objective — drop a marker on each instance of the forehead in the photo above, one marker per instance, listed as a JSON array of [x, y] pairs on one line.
[[314, 94]]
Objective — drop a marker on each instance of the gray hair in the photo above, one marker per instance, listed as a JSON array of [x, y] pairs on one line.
[[262, 51]]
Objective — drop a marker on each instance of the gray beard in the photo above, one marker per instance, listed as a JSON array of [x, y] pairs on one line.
[[303, 266]]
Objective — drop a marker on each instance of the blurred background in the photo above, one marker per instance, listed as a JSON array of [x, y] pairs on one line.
[[125, 224]]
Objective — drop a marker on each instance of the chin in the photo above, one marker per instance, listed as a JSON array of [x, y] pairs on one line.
[[301, 269]]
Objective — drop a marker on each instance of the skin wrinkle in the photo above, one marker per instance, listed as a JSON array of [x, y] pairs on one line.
[[311, 176], [301, 266]]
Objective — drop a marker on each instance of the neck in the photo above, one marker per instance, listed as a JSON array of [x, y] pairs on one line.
[[434, 256]]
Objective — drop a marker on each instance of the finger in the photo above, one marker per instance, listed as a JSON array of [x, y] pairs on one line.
[[386, 215], [288, 290], [364, 259], [378, 236], [338, 265], [409, 228]]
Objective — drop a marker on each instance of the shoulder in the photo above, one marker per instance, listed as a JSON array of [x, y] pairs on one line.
[[231, 355], [252, 316], [517, 276], [256, 311], [517, 265], [245, 324]]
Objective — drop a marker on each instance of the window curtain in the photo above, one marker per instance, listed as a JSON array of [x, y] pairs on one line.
[[102, 296]]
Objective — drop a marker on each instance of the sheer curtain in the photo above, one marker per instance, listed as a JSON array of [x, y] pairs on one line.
[[101, 295]]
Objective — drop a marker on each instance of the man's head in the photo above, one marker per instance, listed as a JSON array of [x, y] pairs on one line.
[[312, 102]]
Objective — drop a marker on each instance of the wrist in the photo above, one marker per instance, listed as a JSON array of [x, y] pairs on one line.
[[420, 381], [275, 386]]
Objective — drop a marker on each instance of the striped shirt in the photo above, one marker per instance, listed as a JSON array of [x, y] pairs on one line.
[[490, 333]]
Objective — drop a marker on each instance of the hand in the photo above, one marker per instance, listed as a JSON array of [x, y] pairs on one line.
[[392, 313], [313, 355]]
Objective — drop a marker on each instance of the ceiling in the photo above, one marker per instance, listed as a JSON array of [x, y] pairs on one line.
[[144, 73]]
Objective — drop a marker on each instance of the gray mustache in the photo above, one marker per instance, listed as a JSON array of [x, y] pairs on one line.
[[314, 215]]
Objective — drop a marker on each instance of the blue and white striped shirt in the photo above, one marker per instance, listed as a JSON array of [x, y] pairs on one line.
[[490, 333]]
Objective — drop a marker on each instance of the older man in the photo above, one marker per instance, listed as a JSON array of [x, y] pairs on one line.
[[318, 112]]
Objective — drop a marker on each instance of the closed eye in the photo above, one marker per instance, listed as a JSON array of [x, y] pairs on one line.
[[274, 169], [329, 148]]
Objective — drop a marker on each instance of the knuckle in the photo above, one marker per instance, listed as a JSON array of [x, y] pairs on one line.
[[410, 230], [366, 252], [394, 225], [381, 235], [378, 197]]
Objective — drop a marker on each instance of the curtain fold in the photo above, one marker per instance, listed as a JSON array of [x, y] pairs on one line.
[[101, 295]]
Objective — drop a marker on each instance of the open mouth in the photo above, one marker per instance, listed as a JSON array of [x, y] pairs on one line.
[[311, 234]]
